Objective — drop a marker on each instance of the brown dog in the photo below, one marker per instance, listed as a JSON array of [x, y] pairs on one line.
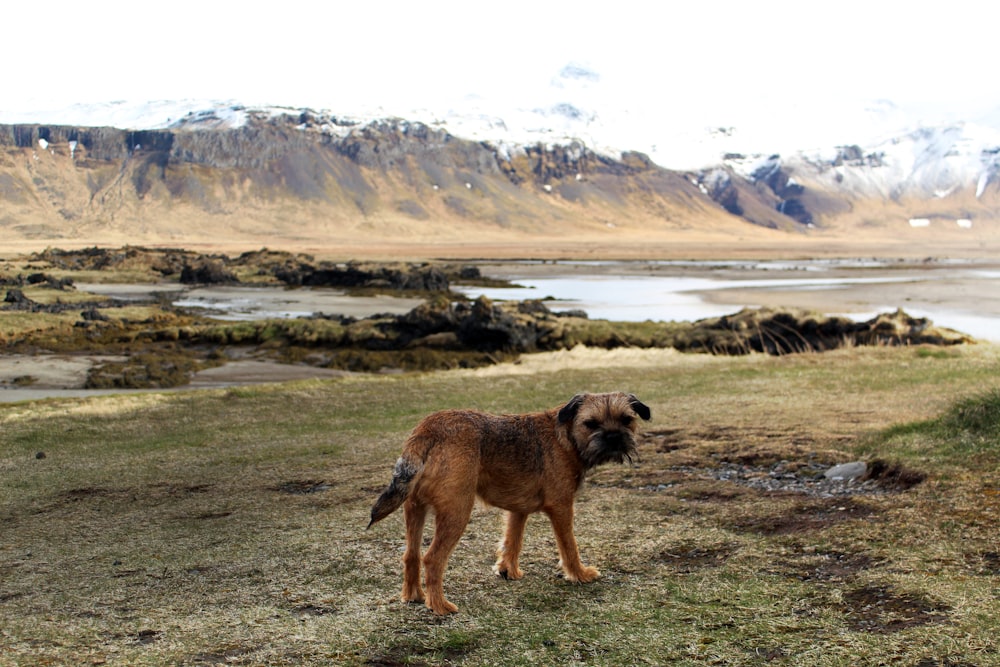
[[520, 463]]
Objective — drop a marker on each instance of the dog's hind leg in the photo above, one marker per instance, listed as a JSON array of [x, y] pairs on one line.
[[449, 524], [510, 547], [415, 514]]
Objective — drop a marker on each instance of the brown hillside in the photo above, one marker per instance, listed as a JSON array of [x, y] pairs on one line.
[[281, 182]]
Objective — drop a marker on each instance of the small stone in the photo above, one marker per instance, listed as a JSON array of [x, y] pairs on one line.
[[40, 455], [847, 471]]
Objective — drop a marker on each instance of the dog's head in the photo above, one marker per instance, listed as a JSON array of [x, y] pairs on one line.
[[603, 426]]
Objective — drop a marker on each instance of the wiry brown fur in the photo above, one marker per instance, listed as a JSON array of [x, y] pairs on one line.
[[520, 463]]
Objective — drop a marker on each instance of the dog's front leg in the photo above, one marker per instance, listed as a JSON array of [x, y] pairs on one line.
[[510, 547], [569, 554]]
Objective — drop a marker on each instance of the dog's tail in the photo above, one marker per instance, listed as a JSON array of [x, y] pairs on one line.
[[394, 495]]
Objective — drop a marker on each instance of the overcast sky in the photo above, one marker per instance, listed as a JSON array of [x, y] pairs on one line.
[[695, 57]]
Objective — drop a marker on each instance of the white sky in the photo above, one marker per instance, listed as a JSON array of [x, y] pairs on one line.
[[692, 60]]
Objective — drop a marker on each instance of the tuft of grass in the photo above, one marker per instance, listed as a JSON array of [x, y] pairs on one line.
[[966, 435], [976, 418]]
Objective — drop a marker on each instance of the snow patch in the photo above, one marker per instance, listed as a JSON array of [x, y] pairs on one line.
[[984, 179]]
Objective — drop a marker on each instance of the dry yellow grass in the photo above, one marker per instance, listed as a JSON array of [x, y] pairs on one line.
[[227, 527]]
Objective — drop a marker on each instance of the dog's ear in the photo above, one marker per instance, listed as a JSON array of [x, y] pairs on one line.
[[640, 408], [568, 412]]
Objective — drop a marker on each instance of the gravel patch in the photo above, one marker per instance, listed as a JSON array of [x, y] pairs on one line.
[[788, 477]]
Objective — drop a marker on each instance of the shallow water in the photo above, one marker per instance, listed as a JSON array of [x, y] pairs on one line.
[[243, 303], [688, 291], [637, 298]]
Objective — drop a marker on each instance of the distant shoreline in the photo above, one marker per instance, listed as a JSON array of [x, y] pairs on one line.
[[631, 246]]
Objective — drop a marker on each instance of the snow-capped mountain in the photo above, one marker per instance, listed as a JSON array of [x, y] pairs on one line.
[[869, 167], [897, 149]]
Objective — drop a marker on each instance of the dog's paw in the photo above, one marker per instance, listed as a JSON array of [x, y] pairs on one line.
[[584, 575], [509, 573], [441, 606], [412, 594]]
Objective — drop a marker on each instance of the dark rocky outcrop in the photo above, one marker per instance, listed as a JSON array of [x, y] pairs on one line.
[[407, 278], [39, 280], [487, 327], [296, 270], [16, 300], [206, 272]]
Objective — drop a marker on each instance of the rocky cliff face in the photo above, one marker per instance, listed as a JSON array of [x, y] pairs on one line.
[[312, 177]]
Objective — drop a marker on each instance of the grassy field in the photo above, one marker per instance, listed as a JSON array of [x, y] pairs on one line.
[[227, 527]]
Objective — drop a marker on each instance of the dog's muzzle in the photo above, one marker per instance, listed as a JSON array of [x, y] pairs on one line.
[[608, 446]]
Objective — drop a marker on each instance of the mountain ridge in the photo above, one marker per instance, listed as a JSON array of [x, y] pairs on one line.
[[233, 172]]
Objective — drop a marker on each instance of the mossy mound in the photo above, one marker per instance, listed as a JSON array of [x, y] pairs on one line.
[[788, 331]]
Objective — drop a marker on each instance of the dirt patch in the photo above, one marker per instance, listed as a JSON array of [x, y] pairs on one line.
[[313, 610], [410, 655], [303, 487], [893, 476], [825, 566], [226, 656], [705, 491], [151, 494], [986, 563], [883, 610], [204, 516], [145, 637], [685, 559], [800, 517]]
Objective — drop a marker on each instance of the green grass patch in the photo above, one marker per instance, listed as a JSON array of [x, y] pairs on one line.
[[966, 435]]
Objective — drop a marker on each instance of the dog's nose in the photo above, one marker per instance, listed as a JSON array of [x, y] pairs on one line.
[[615, 438]]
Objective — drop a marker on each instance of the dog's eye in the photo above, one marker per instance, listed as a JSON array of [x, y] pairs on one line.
[[626, 420], [592, 424]]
